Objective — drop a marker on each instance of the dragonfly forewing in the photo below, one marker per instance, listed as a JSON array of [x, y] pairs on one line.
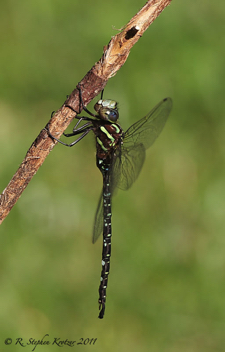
[[146, 130]]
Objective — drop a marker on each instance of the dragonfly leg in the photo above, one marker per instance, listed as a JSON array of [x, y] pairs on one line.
[[82, 103], [78, 130], [84, 132]]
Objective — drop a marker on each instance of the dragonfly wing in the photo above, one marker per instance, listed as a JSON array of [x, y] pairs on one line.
[[140, 136], [128, 160], [146, 130], [127, 166], [98, 222]]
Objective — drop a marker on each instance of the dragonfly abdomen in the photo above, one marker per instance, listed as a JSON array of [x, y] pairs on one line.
[[107, 233]]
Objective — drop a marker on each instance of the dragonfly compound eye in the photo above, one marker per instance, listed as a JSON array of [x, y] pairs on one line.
[[113, 115], [107, 114]]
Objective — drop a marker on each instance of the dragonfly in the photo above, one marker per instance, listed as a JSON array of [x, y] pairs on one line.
[[119, 156]]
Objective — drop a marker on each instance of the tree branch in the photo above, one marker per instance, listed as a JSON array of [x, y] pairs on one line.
[[114, 56]]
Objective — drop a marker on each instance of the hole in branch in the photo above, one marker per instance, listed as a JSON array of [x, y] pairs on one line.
[[131, 33]]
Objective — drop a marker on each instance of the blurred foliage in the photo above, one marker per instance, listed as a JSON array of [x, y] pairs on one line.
[[167, 282]]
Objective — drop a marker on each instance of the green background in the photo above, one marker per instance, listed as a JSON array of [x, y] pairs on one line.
[[166, 288]]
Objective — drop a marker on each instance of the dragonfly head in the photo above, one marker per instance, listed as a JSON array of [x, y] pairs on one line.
[[107, 110]]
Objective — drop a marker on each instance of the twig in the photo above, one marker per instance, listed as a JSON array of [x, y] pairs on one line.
[[114, 56]]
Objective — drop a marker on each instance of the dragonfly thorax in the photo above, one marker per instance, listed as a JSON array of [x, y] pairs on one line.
[[107, 110]]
